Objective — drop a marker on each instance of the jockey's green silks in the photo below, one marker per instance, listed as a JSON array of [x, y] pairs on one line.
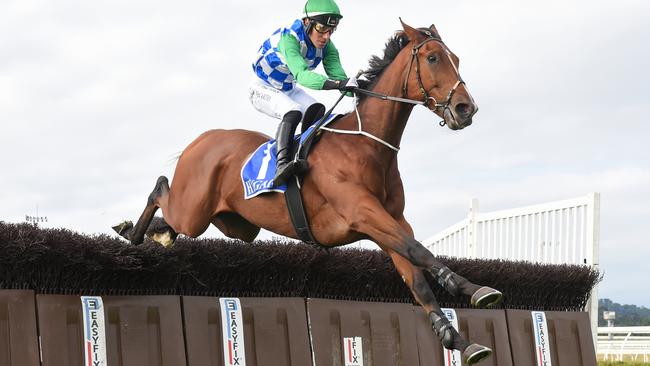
[[289, 47]]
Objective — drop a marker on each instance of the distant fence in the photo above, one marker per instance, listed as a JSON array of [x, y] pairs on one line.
[[561, 232], [619, 343]]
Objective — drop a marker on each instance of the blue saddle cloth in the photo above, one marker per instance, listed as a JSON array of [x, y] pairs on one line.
[[258, 171]]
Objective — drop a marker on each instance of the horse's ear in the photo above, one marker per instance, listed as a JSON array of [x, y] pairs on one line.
[[433, 28], [412, 33]]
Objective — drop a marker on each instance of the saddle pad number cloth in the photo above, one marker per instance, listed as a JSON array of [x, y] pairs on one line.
[[258, 171]]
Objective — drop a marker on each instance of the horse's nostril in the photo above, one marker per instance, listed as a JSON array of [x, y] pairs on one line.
[[463, 109]]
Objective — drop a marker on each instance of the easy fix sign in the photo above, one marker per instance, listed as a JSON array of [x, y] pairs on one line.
[[232, 328]]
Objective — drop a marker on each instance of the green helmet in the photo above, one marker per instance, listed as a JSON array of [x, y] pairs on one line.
[[325, 12]]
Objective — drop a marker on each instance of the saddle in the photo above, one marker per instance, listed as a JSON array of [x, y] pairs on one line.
[[259, 169]]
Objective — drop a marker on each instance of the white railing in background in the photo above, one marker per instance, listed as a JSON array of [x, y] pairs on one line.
[[624, 343], [561, 232]]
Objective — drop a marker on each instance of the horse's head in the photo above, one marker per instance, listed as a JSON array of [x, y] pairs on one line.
[[433, 76]]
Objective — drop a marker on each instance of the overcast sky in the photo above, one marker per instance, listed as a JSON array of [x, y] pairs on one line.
[[97, 97]]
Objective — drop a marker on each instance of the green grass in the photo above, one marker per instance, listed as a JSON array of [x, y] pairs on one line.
[[622, 363]]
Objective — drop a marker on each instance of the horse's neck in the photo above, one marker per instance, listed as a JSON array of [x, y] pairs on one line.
[[383, 118]]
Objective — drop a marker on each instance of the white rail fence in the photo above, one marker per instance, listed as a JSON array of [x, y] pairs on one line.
[[624, 343], [561, 232]]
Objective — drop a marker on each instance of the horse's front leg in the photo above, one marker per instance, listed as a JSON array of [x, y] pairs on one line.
[[366, 215], [417, 283]]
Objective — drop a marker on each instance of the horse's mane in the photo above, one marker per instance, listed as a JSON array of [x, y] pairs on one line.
[[377, 65]]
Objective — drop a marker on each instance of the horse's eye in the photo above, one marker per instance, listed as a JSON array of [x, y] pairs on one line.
[[432, 59]]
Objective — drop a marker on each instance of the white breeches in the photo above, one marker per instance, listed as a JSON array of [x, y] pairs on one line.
[[276, 103]]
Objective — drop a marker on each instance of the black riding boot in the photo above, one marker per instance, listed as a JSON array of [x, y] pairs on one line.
[[284, 139], [312, 114]]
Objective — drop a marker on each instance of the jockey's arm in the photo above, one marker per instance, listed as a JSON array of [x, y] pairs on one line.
[[332, 63], [290, 49]]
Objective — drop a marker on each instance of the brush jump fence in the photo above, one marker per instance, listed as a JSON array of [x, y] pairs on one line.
[[561, 232], [70, 300]]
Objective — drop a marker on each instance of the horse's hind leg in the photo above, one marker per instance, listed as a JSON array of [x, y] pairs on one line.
[[161, 189], [159, 231]]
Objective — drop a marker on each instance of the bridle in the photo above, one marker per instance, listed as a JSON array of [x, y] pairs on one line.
[[427, 98]]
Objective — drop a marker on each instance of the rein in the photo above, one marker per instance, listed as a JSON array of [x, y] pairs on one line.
[[360, 131], [427, 98]]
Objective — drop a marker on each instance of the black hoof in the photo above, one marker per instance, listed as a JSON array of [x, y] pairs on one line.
[[475, 353], [124, 229], [486, 297]]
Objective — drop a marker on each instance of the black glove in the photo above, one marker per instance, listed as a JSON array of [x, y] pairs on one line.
[[345, 85], [363, 83]]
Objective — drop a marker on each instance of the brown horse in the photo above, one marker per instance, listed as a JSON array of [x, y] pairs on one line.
[[353, 189]]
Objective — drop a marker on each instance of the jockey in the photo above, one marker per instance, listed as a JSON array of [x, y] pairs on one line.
[[288, 57]]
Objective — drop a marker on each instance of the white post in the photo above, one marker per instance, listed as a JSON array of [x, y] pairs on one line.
[[593, 238], [472, 232]]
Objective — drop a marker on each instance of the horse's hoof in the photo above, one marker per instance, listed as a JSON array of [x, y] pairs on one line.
[[475, 353], [123, 228], [166, 239], [486, 297]]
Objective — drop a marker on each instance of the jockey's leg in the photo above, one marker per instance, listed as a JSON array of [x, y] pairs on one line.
[[312, 114], [288, 106], [286, 166], [311, 109]]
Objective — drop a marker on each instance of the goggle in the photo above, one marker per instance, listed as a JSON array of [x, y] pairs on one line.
[[322, 29]]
